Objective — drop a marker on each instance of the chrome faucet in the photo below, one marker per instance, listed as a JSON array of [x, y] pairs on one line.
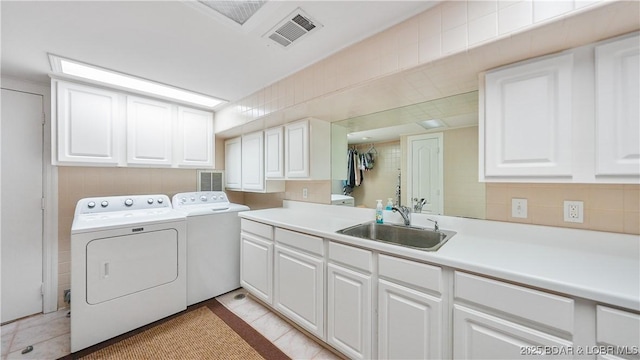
[[435, 226], [405, 212], [419, 203]]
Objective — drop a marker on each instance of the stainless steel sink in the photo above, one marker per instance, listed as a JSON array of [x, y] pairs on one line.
[[414, 237]]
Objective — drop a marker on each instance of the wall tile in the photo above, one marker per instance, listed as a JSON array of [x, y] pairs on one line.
[[430, 23], [606, 220], [454, 14], [480, 8], [483, 28], [515, 16], [606, 198], [454, 40], [430, 48], [631, 198], [544, 9], [497, 212], [631, 222]]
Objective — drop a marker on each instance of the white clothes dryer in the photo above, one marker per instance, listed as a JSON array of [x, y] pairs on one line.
[[213, 243], [128, 265]]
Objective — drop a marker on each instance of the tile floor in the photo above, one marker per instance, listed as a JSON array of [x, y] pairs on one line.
[[49, 333]]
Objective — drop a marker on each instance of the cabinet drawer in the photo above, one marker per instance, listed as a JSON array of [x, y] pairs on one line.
[[301, 241], [547, 309], [410, 272], [351, 256], [617, 327], [263, 230]]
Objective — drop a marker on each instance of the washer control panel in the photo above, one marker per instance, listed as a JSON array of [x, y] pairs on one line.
[[214, 199], [122, 203]]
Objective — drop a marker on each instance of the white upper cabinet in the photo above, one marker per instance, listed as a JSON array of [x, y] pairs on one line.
[[307, 154], [149, 132], [98, 127], [253, 162], [87, 125], [572, 117], [233, 163], [195, 138], [297, 149], [618, 107], [274, 149], [528, 117]]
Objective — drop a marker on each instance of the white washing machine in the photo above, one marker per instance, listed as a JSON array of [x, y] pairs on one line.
[[128, 265], [213, 243]]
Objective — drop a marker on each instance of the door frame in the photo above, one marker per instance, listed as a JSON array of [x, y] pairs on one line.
[[408, 194], [50, 194]]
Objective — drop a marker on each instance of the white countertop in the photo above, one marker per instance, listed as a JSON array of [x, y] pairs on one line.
[[599, 266]]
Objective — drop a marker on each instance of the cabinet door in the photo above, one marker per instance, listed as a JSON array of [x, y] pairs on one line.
[[195, 142], [349, 311], [297, 149], [233, 163], [299, 288], [409, 323], [477, 335], [253, 162], [274, 149], [149, 132], [618, 107], [88, 124], [256, 266], [527, 125]]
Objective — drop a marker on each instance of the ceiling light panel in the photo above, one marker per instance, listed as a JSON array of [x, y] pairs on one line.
[[123, 81], [238, 11]]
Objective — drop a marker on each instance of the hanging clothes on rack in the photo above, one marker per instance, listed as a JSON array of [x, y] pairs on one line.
[[354, 173]]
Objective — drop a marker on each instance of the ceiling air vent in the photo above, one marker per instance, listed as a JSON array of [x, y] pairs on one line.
[[292, 28]]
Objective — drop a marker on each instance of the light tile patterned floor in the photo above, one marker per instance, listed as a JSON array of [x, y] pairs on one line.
[[49, 333]]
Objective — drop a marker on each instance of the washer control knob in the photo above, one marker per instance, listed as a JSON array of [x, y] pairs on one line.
[[128, 202], [104, 204], [91, 204], [160, 200], [193, 198], [149, 201], [183, 200], [214, 198], [203, 198]]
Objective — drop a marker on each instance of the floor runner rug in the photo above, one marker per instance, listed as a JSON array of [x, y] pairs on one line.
[[208, 331]]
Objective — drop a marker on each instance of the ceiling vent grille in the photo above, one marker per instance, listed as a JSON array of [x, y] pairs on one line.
[[292, 28]]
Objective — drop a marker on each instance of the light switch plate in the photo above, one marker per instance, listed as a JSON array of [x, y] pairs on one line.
[[574, 211], [519, 208]]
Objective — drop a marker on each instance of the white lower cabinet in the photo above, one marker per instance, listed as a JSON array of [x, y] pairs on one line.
[[498, 320], [299, 279], [618, 332], [395, 308], [409, 310], [349, 300], [256, 259], [478, 335]]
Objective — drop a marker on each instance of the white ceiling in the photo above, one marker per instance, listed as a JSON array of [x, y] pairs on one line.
[[176, 43]]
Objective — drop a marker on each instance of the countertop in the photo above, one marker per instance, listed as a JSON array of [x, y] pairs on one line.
[[598, 266]]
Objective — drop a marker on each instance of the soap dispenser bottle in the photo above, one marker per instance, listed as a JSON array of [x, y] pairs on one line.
[[379, 212], [389, 204]]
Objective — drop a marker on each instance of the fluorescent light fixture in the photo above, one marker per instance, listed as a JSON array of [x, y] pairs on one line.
[[431, 124], [69, 67]]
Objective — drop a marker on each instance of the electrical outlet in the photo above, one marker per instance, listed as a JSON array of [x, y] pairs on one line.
[[305, 193], [574, 211], [519, 208]]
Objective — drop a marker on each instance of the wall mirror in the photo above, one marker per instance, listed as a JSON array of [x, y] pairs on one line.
[[426, 151]]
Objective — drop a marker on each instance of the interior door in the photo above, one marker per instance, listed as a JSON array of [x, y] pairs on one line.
[[425, 172], [22, 214]]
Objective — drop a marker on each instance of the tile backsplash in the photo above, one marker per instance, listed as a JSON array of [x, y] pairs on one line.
[[607, 207]]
